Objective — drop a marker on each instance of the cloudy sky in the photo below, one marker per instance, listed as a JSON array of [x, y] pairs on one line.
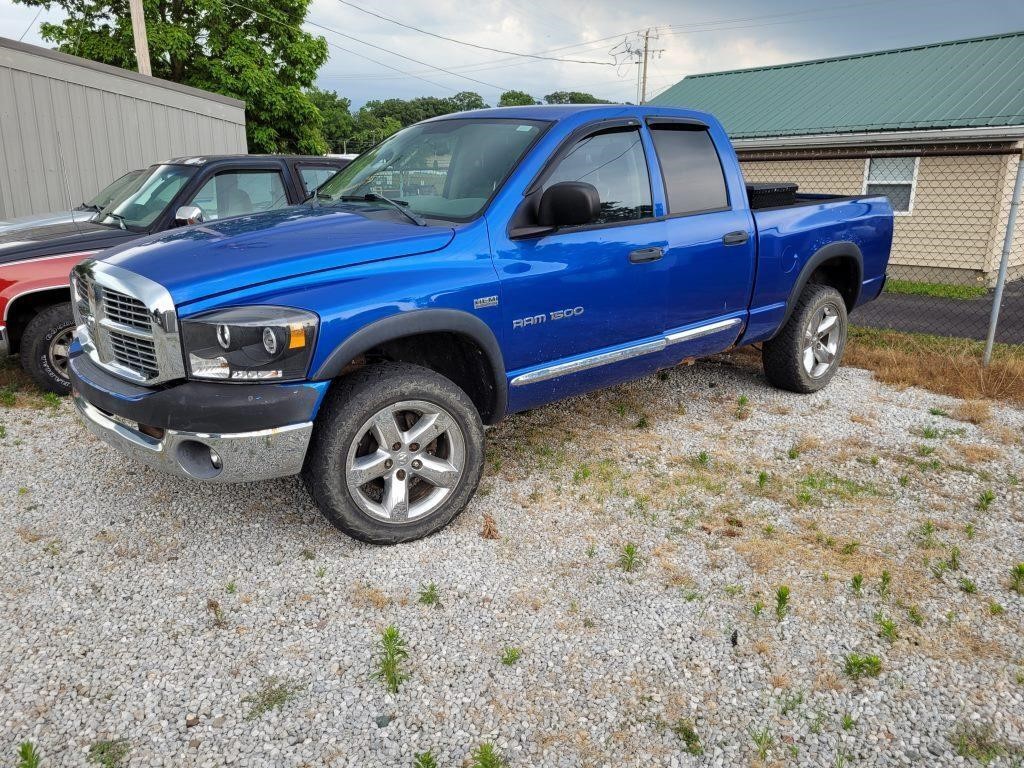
[[373, 57]]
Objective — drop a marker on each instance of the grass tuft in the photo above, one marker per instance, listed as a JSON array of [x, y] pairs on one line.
[[857, 666], [686, 731], [510, 656], [28, 756], [629, 558], [108, 753], [393, 652], [424, 760], [1017, 578], [486, 756], [274, 694], [781, 602]]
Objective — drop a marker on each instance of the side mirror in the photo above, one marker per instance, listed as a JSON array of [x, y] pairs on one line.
[[189, 214], [569, 204]]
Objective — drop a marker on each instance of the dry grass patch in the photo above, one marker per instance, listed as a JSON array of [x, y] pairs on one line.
[[366, 596], [943, 365], [978, 454], [972, 411]]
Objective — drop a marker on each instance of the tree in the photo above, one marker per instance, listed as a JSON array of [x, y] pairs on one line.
[[516, 99], [338, 124], [262, 58], [573, 97]]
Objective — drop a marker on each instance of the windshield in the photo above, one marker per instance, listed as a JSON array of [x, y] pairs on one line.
[[112, 191], [146, 198], [445, 169]]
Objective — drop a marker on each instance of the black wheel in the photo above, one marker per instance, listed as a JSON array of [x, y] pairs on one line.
[[44, 347], [397, 452], [805, 354]]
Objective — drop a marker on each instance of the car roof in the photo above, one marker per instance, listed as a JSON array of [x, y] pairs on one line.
[[207, 159], [556, 112]]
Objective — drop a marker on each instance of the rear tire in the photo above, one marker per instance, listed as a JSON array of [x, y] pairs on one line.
[[396, 454], [44, 348], [806, 353]]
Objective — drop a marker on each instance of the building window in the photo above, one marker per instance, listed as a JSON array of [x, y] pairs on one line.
[[894, 177]]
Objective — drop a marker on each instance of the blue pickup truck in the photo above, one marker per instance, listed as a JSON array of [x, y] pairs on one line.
[[468, 267]]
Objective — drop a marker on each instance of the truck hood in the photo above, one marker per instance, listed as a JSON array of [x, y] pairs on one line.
[[18, 243], [204, 260]]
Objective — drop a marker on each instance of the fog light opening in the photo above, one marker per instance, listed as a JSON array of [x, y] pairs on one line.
[[199, 460]]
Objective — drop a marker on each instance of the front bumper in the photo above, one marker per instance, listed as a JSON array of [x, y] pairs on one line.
[[145, 424]]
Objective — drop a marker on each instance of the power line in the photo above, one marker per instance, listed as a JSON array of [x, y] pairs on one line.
[[473, 45], [31, 24]]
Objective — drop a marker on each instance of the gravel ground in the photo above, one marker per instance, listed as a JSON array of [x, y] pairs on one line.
[[141, 608]]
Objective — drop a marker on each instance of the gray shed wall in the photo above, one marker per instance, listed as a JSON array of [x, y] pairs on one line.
[[102, 121]]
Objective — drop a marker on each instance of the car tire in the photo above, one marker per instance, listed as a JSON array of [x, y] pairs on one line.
[[44, 347], [411, 436], [806, 353]]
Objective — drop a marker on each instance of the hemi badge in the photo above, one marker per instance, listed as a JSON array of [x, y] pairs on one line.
[[485, 301]]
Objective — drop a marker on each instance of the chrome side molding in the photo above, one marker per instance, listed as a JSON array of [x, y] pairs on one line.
[[625, 353]]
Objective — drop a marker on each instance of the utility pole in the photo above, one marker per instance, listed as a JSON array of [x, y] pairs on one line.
[[643, 80], [139, 32]]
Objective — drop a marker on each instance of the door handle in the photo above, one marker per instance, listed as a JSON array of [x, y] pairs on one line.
[[739, 237], [643, 255]]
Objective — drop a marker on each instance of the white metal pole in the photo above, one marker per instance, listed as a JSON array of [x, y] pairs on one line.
[[139, 32], [1011, 223]]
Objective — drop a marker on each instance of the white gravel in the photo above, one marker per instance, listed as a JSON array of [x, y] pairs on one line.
[[107, 569]]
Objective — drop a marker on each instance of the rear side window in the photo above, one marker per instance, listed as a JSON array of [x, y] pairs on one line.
[[315, 175], [694, 181], [614, 162]]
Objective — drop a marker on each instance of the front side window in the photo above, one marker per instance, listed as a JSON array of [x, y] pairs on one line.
[[137, 207], [237, 193], [614, 162], [446, 169], [893, 177], [694, 181]]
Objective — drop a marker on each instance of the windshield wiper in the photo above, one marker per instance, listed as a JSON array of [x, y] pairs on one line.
[[118, 218], [90, 207], [399, 205]]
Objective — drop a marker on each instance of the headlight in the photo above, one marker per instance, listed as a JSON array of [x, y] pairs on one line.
[[249, 343]]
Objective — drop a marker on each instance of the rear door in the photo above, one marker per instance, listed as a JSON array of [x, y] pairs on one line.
[[711, 240], [573, 294]]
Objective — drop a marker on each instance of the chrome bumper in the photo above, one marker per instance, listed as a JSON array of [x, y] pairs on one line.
[[224, 458], [5, 344]]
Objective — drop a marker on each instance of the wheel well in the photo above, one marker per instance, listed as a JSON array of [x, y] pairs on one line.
[[23, 308], [454, 356], [843, 274]]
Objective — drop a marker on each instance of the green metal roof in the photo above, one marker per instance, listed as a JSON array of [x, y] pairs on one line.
[[958, 84]]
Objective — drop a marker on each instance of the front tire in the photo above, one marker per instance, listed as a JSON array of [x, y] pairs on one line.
[[44, 348], [397, 453], [806, 353]]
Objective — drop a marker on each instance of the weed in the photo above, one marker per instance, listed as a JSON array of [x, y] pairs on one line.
[[886, 627], [762, 479], [884, 584], [818, 723], [841, 757], [967, 586], [850, 548], [685, 730], [903, 480], [764, 741], [848, 721], [768, 530], [995, 609], [307, 554], [392, 653], [486, 757], [1017, 578], [219, 620], [781, 602], [857, 584], [3, 434], [231, 588], [985, 500], [581, 473], [642, 423], [510, 656], [926, 535], [793, 453], [108, 753], [702, 459], [7, 397], [978, 742], [690, 595], [321, 571], [629, 559], [429, 595], [858, 666], [758, 609], [743, 407], [930, 433], [937, 412], [28, 755], [424, 760], [591, 550], [791, 702], [274, 694], [970, 530], [925, 450], [732, 590], [51, 400]]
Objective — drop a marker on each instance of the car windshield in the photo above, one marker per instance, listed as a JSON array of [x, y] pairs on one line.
[[112, 191], [140, 203], [445, 169]]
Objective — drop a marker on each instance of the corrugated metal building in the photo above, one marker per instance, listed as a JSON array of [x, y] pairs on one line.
[[70, 126], [938, 128]]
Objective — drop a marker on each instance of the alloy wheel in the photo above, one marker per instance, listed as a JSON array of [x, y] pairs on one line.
[[821, 341]]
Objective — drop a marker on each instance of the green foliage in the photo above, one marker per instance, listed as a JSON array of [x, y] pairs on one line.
[[935, 290], [915, 616], [686, 731], [510, 656], [848, 721], [886, 627], [429, 595], [392, 653], [985, 500], [629, 559], [858, 666], [885, 584], [1017, 578], [28, 756], [486, 756], [573, 97], [979, 742], [516, 99], [967, 586], [781, 602], [274, 694], [424, 760], [762, 479], [108, 753], [857, 584], [338, 124], [763, 741], [263, 58]]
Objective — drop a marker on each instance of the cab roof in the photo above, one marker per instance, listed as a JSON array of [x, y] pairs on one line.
[[556, 112]]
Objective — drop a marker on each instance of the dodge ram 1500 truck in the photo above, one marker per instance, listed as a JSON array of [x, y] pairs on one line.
[[468, 267]]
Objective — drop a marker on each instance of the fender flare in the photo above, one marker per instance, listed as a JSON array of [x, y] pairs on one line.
[[842, 248], [416, 322]]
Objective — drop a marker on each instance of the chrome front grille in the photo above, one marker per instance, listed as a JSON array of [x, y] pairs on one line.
[[126, 310], [127, 323]]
